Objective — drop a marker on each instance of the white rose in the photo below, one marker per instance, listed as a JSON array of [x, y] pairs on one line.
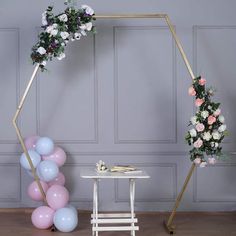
[[194, 120], [44, 21], [41, 50], [49, 29], [222, 128], [88, 9], [221, 119], [83, 27], [214, 145], [216, 135], [203, 164], [63, 18], [64, 35], [193, 133], [43, 63], [89, 26], [207, 136], [204, 114], [77, 36], [54, 32], [61, 56]]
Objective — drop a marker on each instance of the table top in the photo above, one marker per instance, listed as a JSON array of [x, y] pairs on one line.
[[93, 174]]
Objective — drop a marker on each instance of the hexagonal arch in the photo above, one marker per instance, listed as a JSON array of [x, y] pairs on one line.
[[168, 224]]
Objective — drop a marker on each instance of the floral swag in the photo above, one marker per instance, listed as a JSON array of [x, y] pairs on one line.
[[59, 30], [208, 129]]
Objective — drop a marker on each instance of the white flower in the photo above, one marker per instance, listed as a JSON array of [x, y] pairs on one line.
[[207, 136], [44, 21], [41, 50], [221, 119], [204, 114], [63, 44], [222, 128], [193, 133], [64, 35], [72, 39], [83, 33], [214, 145], [216, 135], [203, 164], [194, 120], [54, 25], [43, 63], [197, 161], [54, 32], [88, 9], [49, 29], [63, 18], [209, 107], [61, 56], [77, 36], [82, 27], [89, 26]]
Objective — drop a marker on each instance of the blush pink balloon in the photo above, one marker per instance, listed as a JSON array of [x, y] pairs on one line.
[[30, 142], [34, 192], [59, 180], [58, 156], [42, 217], [57, 196]]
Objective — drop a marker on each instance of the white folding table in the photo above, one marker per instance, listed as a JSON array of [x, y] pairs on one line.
[[113, 218]]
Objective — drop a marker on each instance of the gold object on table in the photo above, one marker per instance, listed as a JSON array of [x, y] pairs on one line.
[[168, 225]]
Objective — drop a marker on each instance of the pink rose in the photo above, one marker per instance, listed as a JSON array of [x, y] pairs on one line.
[[202, 81], [211, 120], [191, 91], [198, 143], [212, 160], [217, 112], [197, 161], [199, 102], [200, 127]]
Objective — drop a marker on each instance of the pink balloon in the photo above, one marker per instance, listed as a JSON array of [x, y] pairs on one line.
[[42, 217], [57, 196], [59, 180], [34, 192], [30, 142], [58, 155]]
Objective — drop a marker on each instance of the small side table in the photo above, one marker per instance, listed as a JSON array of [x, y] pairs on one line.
[[113, 218]]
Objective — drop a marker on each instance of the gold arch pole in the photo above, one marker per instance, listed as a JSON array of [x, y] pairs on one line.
[[168, 225]]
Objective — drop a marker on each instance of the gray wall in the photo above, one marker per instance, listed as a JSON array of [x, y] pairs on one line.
[[121, 96]]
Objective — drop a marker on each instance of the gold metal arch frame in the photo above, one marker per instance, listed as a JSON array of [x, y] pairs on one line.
[[168, 224]]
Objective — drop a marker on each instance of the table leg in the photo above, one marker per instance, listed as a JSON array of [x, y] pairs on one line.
[[95, 205], [132, 195]]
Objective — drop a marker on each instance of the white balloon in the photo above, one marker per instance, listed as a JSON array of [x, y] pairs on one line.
[[65, 220], [44, 146], [34, 156], [47, 170]]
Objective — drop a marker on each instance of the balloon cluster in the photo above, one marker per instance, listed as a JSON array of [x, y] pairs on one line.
[[47, 159]]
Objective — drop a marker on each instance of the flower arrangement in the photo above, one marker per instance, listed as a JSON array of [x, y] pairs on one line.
[[59, 30], [208, 125]]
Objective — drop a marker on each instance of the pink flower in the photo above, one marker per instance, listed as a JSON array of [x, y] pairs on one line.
[[211, 120], [198, 143], [200, 127], [211, 160], [202, 81], [191, 91], [217, 112], [197, 161], [199, 102]]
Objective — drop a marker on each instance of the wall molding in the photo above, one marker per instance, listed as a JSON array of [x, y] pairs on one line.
[[164, 165], [117, 139], [17, 31], [196, 199], [78, 141]]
